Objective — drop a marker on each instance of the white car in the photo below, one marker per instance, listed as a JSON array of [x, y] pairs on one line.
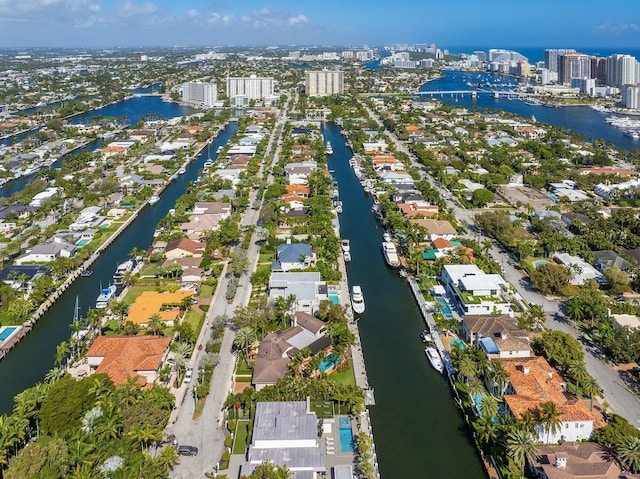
[[187, 376]]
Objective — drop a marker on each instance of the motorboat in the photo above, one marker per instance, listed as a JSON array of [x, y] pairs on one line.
[[434, 358], [386, 236], [105, 297], [182, 170], [121, 271], [154, 199], [328, 148], [86, 272], [357, 299], [346, 247], [208, 163], [425, 336], [337, 205], [347, 256], [390, 254]]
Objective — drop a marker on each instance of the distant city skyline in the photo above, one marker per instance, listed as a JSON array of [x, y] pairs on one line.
[[162, 23]]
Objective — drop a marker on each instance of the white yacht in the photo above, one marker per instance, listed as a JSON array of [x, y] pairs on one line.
[[357, 300], [347, 256], [434, 358], [390, 254], [154, 199], [346, 247], [328, 148], [182, 170], [106, 295]]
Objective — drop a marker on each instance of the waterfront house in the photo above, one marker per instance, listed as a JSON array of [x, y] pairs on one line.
[[166, 305], [184, 247], [475, 292], [581, 270], [124, 357], [286, 433], [416, 209], [572, 460], [231, 174], [221, 209], [277, 348], [39, 199], [20, 277], [47, 252], [307, 287], [498, 335], [532, 382], [299, 190], [292, 256], [436, 228]]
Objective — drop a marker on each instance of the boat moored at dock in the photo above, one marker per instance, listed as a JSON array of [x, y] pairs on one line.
[[390, 254], [105, 297], [357, 299], [434, 358]]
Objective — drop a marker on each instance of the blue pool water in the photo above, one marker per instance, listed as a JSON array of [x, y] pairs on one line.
[[446, 311], [334, 297], [6, 332], [346, 435], [539, 263], [329, 362], [457, 343], [82, 243]]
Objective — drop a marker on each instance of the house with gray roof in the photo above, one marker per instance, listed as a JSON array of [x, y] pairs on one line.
[[287, 433], [47, 252], [610, 259], [292, 256], [308, 289]]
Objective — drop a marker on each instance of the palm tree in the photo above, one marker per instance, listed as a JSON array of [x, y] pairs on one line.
[[535, 317], [628, 450], [550, 418], [578, 370], [467, 366], [521, 447], [243, 340], [475, 387], [155, 324], [167, 458], [591, 387], [488, 407], [119, 308], [486, 432], [499, 376], [61, 353]]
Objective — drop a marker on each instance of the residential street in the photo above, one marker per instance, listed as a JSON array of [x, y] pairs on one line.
[[208, 432]]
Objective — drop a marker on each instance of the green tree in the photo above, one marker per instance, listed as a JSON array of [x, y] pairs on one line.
[[244, 339], [521, 447], [628, 450], [481, 197], [559, 348], [268, 470], [550, 418]]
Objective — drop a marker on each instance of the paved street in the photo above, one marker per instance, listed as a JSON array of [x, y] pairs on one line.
[[208, 432], [620, 399]]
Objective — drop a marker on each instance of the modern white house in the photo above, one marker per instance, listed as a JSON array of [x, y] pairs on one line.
[[308, 289], [475, 292], [47, 252]]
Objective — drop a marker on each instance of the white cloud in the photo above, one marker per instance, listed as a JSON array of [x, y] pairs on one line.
[[616, 27], [35, 10], [298, 19]]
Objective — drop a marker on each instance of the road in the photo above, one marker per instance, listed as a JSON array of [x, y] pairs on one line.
[[621, 400], [208, 432]]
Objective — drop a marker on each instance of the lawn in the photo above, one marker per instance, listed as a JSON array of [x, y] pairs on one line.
[[344, 375], [206, 291], [134, 292], [194, 319], [240, 439], [266, 258], [242, 369]]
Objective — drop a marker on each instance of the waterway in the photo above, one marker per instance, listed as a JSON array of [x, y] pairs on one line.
[[30, 360], [580, 119], [418, 430]]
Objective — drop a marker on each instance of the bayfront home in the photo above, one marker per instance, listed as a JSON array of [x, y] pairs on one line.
[[475, 292], [532, 382]]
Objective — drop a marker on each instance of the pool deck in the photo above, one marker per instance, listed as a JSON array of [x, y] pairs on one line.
[[14, 338]]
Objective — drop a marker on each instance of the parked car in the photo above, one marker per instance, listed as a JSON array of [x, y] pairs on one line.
[[187, 450], [188, 375]]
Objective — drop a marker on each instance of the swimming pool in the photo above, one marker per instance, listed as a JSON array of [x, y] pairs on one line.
[[329, 362], [457, 344], [346, 435], [7, 331], [445, 310], [334, 297], [539, 263], [82, 243]]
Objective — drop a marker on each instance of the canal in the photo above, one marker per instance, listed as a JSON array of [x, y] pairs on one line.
[[418, 430], [30, 360]]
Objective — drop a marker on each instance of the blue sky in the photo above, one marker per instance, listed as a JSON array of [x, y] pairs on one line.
[[452, 23]]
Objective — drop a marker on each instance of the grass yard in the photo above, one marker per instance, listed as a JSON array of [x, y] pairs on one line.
[[266, 258], [194, 320], [242, 368], [134, 292], [206, 291], [344, 375], [240, 440]]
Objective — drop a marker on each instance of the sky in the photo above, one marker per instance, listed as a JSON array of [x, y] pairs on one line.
[[448, 24]]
